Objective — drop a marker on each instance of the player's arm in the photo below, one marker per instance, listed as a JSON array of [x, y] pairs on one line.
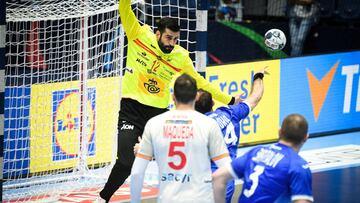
[[128, 19], [220, 155], [301, 183], [143, 156], [243, 109], [220, 179], [204, 84], [257, 89], [233, 170], [217, 147], [137, 178]]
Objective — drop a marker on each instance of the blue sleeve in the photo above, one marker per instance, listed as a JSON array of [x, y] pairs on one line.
[[240, 110], [238, 165], [301, 182]]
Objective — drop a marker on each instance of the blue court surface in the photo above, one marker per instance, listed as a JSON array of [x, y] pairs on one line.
[[339, 179], [337, 185]]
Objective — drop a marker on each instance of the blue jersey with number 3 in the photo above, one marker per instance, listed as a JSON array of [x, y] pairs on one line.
[[275, 173]]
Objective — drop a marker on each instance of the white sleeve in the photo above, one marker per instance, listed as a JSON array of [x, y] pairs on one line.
[[137, 178], [223, 162], [146, 148], [217, 147]]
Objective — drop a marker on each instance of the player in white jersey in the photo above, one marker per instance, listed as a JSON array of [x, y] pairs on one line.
[[182, 141]]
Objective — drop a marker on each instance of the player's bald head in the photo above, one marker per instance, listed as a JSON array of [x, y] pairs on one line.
[[294, 129]]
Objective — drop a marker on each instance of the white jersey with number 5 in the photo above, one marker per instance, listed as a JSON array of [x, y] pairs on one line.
[[183, 142]]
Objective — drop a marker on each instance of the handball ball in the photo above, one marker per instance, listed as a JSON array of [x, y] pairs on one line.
[[275, 39]]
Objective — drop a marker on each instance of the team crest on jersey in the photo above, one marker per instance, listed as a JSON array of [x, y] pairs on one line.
[[67, 121]]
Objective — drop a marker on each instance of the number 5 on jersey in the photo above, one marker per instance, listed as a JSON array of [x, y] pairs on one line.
[[175, 151]]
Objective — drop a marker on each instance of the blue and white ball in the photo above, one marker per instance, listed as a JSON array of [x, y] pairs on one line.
[[275, 39]]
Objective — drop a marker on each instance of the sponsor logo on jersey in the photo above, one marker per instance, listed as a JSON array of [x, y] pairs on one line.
[[143, 55], [127, 127], [176, 177], [305, 166], [140, 61], [180, 122], [151, 86]]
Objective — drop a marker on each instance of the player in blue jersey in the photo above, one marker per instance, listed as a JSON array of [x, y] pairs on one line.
[[228, 118], [274, 173]]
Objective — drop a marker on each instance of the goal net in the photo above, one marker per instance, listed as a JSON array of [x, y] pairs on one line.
[[63, 80]]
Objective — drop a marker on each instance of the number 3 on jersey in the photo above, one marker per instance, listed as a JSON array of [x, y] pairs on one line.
[[175, 151], [254, 176]]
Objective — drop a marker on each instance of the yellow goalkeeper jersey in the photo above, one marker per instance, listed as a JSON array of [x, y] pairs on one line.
[[149, 71]]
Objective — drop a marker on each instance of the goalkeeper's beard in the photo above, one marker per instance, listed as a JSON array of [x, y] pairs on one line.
[[165, 48]]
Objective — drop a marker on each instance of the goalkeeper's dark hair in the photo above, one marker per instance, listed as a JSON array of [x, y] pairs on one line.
[[170, 23], [204, 103], [185, 89], [294, 129]]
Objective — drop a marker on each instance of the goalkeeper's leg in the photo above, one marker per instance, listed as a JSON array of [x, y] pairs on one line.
[[118, 175], [127, 138]]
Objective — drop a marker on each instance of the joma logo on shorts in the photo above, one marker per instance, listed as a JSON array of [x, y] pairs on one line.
[[127, 127]]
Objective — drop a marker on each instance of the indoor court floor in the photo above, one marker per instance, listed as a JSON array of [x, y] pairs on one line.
[[334, 161]]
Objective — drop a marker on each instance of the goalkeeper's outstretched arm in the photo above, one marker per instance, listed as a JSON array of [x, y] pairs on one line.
[[129, 21]]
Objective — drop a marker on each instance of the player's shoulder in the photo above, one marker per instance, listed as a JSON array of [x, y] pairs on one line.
[[158, 118], [241, 109], [205, 117], [298, 163], [147, 31], [222, 109], [179, 50], [253, 151], [299, 160], [146, 27], [262, 151]]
